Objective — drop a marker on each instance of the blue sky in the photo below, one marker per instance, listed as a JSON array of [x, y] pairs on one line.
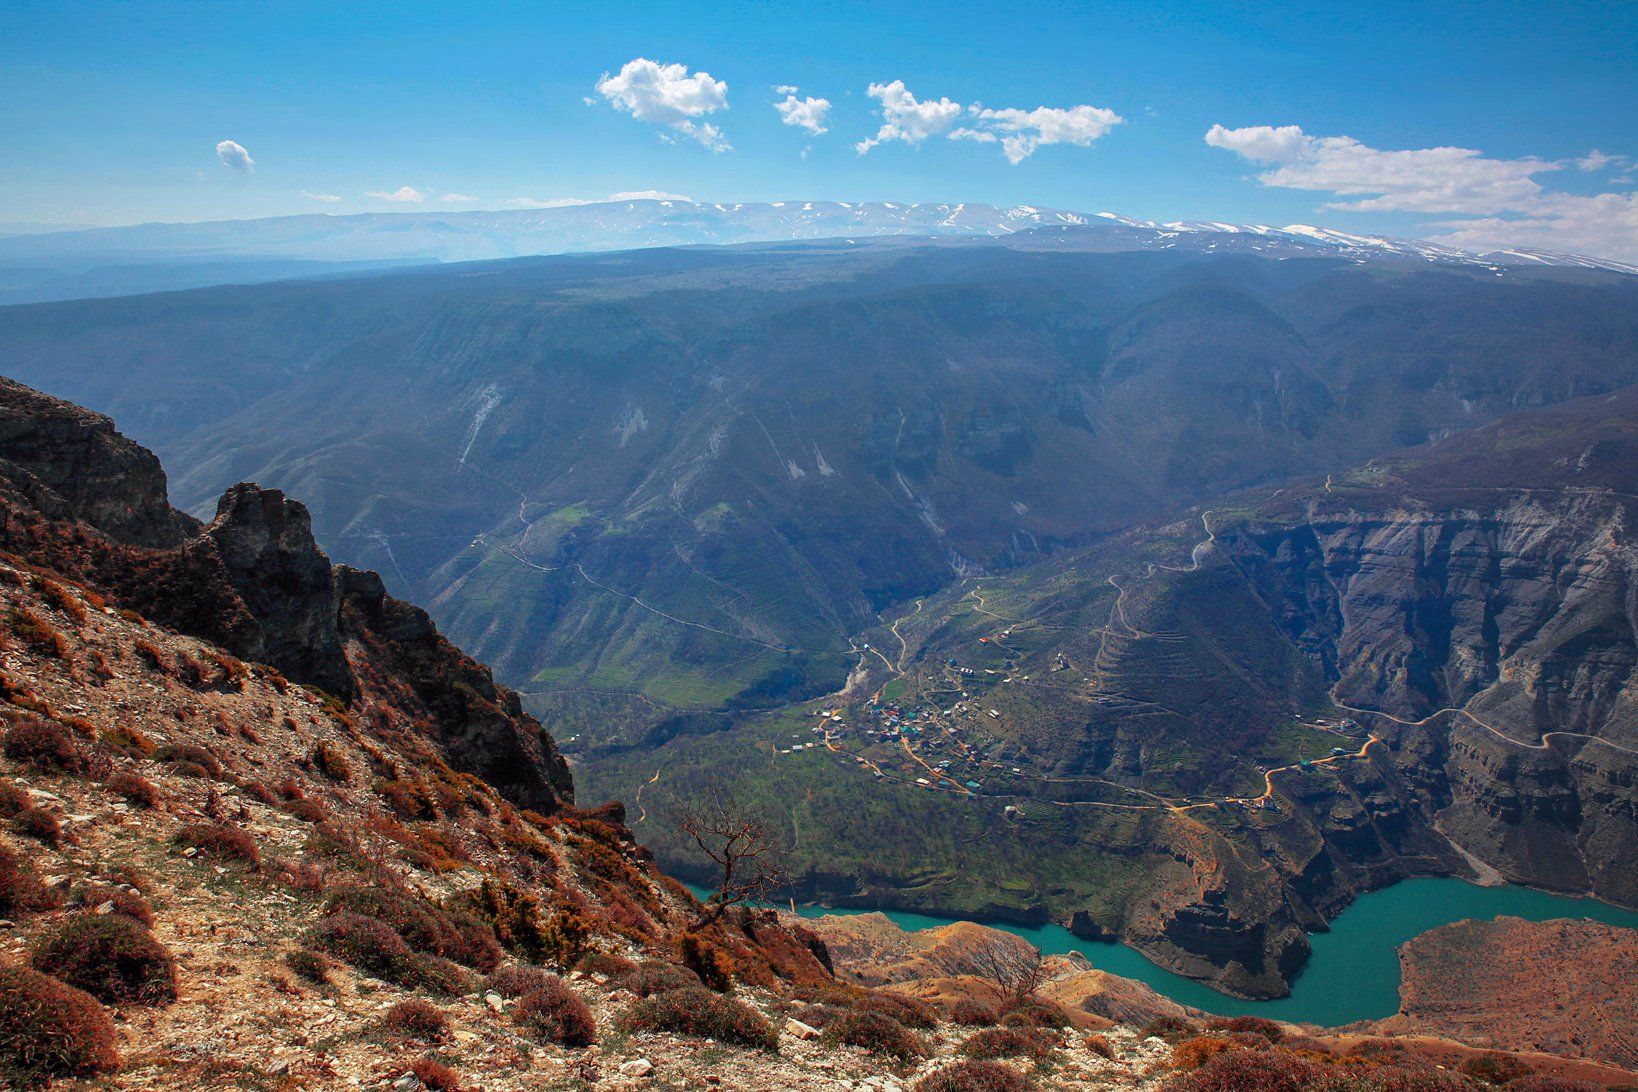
[[1473, 123]]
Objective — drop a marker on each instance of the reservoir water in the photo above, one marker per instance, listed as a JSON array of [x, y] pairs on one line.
[[1353, 973]]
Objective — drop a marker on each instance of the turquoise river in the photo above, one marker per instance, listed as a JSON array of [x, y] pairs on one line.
[[1353, 973]]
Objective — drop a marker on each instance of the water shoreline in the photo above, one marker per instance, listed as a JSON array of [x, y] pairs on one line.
[[1352, 973]]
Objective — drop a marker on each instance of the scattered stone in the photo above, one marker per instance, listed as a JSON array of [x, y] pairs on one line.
[[494, 1001], [797, 1029], [638, 1067]]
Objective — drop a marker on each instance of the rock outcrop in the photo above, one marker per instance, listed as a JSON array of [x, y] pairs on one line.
[[79, 498], [73, 464]]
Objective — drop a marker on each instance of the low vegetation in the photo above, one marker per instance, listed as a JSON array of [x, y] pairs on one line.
[[109, 956], [49, 1029], [552, 1012], [972, 1076], [417, 1019], [877, 1033], [702, 1014]]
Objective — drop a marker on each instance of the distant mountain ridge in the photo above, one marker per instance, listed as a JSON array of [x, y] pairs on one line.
[[148, 257]]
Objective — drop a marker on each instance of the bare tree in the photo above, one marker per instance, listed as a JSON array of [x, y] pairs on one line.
[[738, 841], [1018, 970]]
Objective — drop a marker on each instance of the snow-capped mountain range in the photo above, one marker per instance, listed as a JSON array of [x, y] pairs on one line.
[[145, 257]]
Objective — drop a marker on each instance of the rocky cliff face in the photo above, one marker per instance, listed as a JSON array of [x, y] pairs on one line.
[[265, 542], [1497, 638], [72, 464], [83, 500]]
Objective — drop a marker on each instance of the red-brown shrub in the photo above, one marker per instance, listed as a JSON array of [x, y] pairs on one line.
[[436, 1075], [973, 1076], [1196, 1052], [39, 824], [974, 1014], [1101, 1046], [906, 1010], [1252, 1071], [515, 979], [43, 745], [220, 841], [13, 799], [607, 964], [877, 1033], [424, 927], [418, 1019], [138, 791], [1255, 1025], [699, 1013], [309, 965], [308, 811], [108, 956], [329, 760], [93, 896], [190, 760], [20, 887], [373, 947], [38, 633], [1009, 1043], [555, 1013], [1172, 1029], [713, 965], [1494, 1068], [653, 978], [48, 1029], [1036, 1012]]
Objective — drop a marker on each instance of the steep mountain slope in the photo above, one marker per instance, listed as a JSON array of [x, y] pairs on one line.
[[1206, 737], [667, 484]]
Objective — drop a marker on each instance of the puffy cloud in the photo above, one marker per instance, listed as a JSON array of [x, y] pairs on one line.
[[1500, 200], [1023, 131], [785, 89], [1260, 143], [402, 193], [329, 198], [809, 113], [1415, 180], [907, 119], [668, 95], [233, 154], [1019, 132], [1596, 160], [456, 198]]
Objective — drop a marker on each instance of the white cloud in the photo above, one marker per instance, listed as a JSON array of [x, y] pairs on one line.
[[1596, 160], [233, 154], [1019, 132], [1023, 131], [907, 119], [668, 95], [569, 202], [456, 198], [809, 113], [329, 198], [1415, 180], [785, 89], [402, 193], [1500, 200]]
